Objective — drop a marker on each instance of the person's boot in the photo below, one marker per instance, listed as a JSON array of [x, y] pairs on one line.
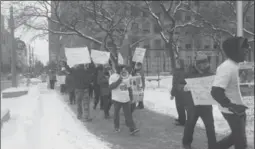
[[186, 146], [140, 105]]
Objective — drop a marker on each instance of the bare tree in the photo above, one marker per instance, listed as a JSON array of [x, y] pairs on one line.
[[81, 18]]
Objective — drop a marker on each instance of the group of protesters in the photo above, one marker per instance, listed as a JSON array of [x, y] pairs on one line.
[[106, 85], [225, 90], [112, 86]]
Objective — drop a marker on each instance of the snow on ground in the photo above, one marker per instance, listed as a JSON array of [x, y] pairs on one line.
[[158, 99], [61, 129], [44, 122], [24, 112]]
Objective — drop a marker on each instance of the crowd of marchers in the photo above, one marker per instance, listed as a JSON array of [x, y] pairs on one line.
[[111, 86]]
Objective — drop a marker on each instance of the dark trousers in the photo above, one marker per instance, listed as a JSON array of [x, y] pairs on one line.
[[180, 110], [206, 114], [72, 97], [90, 90], [52, 84], [62, 88], [237, 138], [107, 103], [140, 104], [96, 89], [82, 99], [127, 113]]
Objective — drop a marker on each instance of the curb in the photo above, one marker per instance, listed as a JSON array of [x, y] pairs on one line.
[[5, 116]]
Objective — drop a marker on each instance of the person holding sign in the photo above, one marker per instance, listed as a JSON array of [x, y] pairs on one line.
[[119, 83], [205, 112], [138, 71], [177, 92], [82, 79], [226, 91], [103, 81]]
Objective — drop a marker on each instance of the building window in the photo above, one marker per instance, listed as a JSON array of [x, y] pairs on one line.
[[146, 44], [215, 46], [188, 46], [157, 44], [187, 18], [145, 14], [207, 46], [135, 27], [146, 28], [248, 19], [134, 12], [156, 29]]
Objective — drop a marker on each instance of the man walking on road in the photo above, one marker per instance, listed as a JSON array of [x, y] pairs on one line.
[[177, 92], [119, 83], [226, 91], [82, 79], [205, 112]]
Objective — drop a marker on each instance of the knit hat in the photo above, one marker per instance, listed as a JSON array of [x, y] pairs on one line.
[[201, 58]]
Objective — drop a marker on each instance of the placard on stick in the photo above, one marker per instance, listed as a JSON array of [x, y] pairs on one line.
[[100, 57], [139, 55], [77, 56]]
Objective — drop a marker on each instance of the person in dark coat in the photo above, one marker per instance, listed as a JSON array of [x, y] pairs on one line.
[[205, 112], [70, 88], [82, 78], [105, 92], [96, 88], [52, 78], [177, 92]]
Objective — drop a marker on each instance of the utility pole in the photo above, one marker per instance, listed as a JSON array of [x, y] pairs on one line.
[[13, 50], [239, 15]]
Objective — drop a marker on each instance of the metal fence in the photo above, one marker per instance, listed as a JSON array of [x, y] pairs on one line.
[[156, 65]]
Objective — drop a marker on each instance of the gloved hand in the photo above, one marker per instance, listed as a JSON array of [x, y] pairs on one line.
[[237, 109], [172, 97]]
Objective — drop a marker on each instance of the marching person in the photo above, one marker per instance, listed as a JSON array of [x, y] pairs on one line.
[[226, 91], [119, 83], [103, 81], [96, 87], [70, 88], [138, 71], [177, 92], [82, 79], [205, 112], [52, 78]]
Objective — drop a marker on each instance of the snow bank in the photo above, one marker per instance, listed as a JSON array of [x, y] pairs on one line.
[[22, 130]]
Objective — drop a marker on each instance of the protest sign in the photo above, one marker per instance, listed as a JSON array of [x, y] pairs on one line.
[[100, 57], [139, 55], [246, 78], [77, 56], [201, 90], [136, 85], [61, 79]]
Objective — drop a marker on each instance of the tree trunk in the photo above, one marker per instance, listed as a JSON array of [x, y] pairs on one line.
[[171, 52]]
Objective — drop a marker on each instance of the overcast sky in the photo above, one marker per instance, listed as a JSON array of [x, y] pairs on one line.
[[40, 46]]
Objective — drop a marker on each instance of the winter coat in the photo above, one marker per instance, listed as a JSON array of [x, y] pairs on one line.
[[103, 82], [82, 77], [69, 83]]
